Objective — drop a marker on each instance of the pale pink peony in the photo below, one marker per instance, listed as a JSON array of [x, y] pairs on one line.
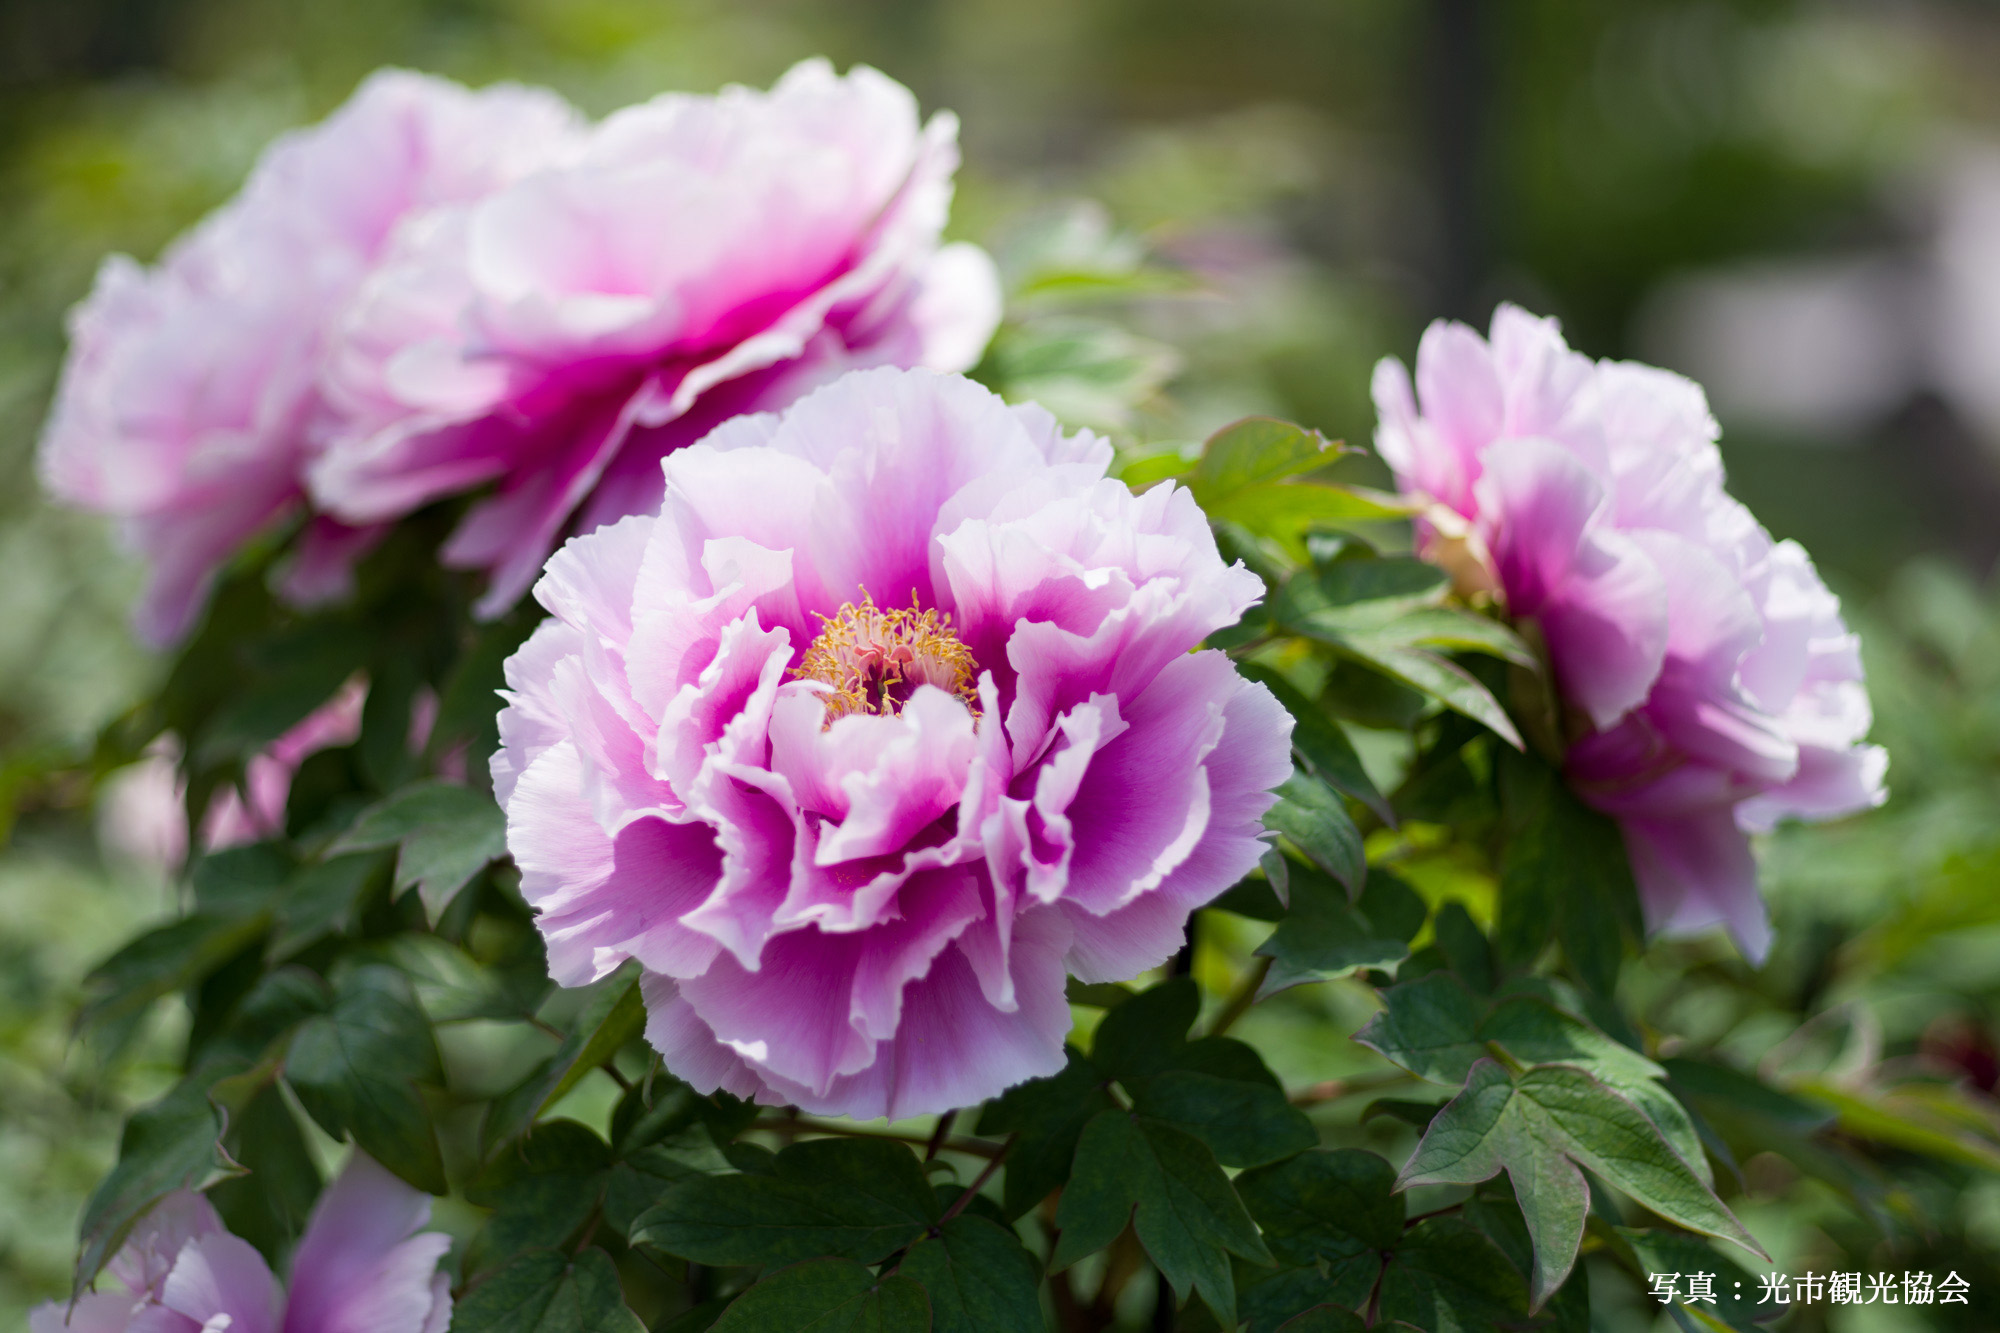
[[189, 403], [1711, 685], [887, 721], [695, 258], [362, 1266]]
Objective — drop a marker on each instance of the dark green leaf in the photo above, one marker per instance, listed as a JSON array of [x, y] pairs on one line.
[[979, 1277], [1312, 816], [1325, 1319], [1146, 1034], [358, 1068], [1243, 1123], [643, 1175], [1168, 1186], [238, 881], [1047, 1115], [1541, 1127], [1448, 1278], [1327, 1216], [301, 669], [170, 958], [446, 833], [173, 1144], [614, 1015], [1565, 875], [1320, 742], [828, 1296], [324, 898], [1464, 945], [1429, 1026], [544, 1291], [541, 1190], [269, 1204], [850, 1198], [1323, 937]]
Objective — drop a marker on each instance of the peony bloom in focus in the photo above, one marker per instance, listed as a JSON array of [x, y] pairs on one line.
[[190, 402], [1710, 684], [694, 258], [887, 721], [362, 1263]]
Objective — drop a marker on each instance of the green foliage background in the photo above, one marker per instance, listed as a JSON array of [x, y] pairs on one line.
[[1332, 175]]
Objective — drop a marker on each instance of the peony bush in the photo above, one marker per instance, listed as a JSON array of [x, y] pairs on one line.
[[902, 867]]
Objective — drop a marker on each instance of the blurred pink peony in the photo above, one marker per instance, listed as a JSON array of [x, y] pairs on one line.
[[695, 258], [885, 722], [362, 1264], [189, 403], [1712, 686]]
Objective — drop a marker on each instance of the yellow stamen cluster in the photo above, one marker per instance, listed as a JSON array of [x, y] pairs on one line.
[[875, 659]]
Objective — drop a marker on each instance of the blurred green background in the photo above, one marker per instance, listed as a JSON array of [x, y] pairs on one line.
[[1793, 200]]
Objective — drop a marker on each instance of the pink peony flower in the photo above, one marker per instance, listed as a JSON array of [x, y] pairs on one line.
[[363, 1264], [189, 403], [1713, 687], [695, 258], [885, 722]]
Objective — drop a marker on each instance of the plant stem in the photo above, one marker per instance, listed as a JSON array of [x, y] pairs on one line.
[[938, 1135], [1245, 995], [958, 1204]]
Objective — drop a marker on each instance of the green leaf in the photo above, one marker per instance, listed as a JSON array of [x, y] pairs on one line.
[[1435, 1028], [1217, 1089], [1319, 741], [644, 1174], [615, 1015], [1327, 1216], [1443, 680], [1047, 1116], [267, 1205], [1564, 875], [1325, 1319], [829, 1296], [1168, 1186], [239, 881], [299, 670], [858, 1199], [542, 1190], [1243, 1123], [446, 834], [1448, 1278], [1429, 1026], [1282, 509], [1540, 1127], [979, 1277], [324, 898], [1147, 1033], [1088, 372], [1323, 937], [172, 1144], [169, 958], [357, 1070], [1253, 452], [1310, 814], [544, 1291]]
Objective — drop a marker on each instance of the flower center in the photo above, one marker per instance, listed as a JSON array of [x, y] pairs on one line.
[[876, 659]]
